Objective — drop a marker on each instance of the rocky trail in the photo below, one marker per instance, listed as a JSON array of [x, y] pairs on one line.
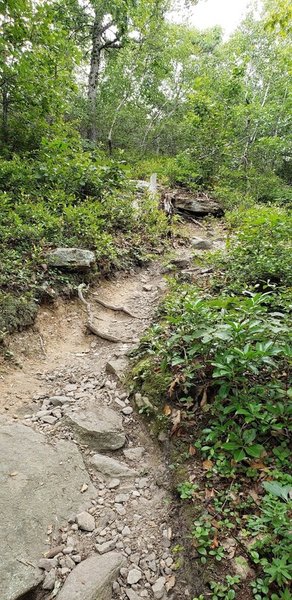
[[86, 506]]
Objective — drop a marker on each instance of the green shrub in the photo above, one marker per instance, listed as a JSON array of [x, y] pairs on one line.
[[259, 248]]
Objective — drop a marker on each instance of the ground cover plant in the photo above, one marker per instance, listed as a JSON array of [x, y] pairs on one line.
[[216, 365]]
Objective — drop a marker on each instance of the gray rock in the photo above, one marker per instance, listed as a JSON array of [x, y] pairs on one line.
[[111, 467], [45, 488], [180, 263], [132, 595], [92, 579], [85, 521], [201, 244], [49, 420], [69, 563], [127, 410], [113, 484], [47, 563], [134, 576], [117, 366], [99, 427], [60, 400], [49, 581], [121, 498], [106, 546], [159, 588], [71, 258], [191, 205], [134, 453]]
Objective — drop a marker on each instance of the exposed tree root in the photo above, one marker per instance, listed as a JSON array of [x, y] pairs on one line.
[[116, 308], [90, 321]]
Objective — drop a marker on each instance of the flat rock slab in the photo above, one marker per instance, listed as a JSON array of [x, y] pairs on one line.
[[99, 427], [111, 467], [39, 486], [92, 579], [71, 258]]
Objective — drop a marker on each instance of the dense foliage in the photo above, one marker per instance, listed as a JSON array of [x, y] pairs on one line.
[[219, 359]]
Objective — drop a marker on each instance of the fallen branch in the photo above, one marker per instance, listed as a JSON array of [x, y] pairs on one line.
[[116, 308], [197, 222], [90, 321]]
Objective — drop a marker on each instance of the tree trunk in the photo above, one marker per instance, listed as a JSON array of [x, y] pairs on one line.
[[95, 61], [5, 105]]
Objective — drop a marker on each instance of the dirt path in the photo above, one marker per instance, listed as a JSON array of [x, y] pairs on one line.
[[132, 512]]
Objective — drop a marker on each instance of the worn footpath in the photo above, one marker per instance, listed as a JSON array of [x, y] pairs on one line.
[[84, 489]]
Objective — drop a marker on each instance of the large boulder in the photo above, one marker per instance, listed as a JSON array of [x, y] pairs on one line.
[[189, 204], [101, 428], [71, 258], [92, 579], [40, 487], [197, 207]]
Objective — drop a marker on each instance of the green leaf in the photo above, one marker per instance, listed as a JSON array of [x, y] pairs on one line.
[[239, 455], [275, 489], [256, 450]]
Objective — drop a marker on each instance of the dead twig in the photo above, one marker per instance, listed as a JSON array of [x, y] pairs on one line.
[[42, 344], [26, 562], [197, 223], [90, 321]]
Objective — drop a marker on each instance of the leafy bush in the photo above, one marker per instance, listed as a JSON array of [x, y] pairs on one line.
[[221, 361], [259, 248]]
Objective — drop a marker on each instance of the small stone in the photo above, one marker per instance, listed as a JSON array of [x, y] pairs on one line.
[[201, 244], [126, 531], [54, 551], [127, 410], [159, 588], [47, 563], [132, 595], [49, 581], [49, 420], [106, 546], [121, 498], [113, 484], [134, 453], [143, 482], [170, 583], [147, 288], [77, 558], [134, 576], [69, 563], [42, 413], [85, 521], [120, 509], [60, 400]]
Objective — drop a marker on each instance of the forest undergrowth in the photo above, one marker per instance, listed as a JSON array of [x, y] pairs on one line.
[[215, 366]]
